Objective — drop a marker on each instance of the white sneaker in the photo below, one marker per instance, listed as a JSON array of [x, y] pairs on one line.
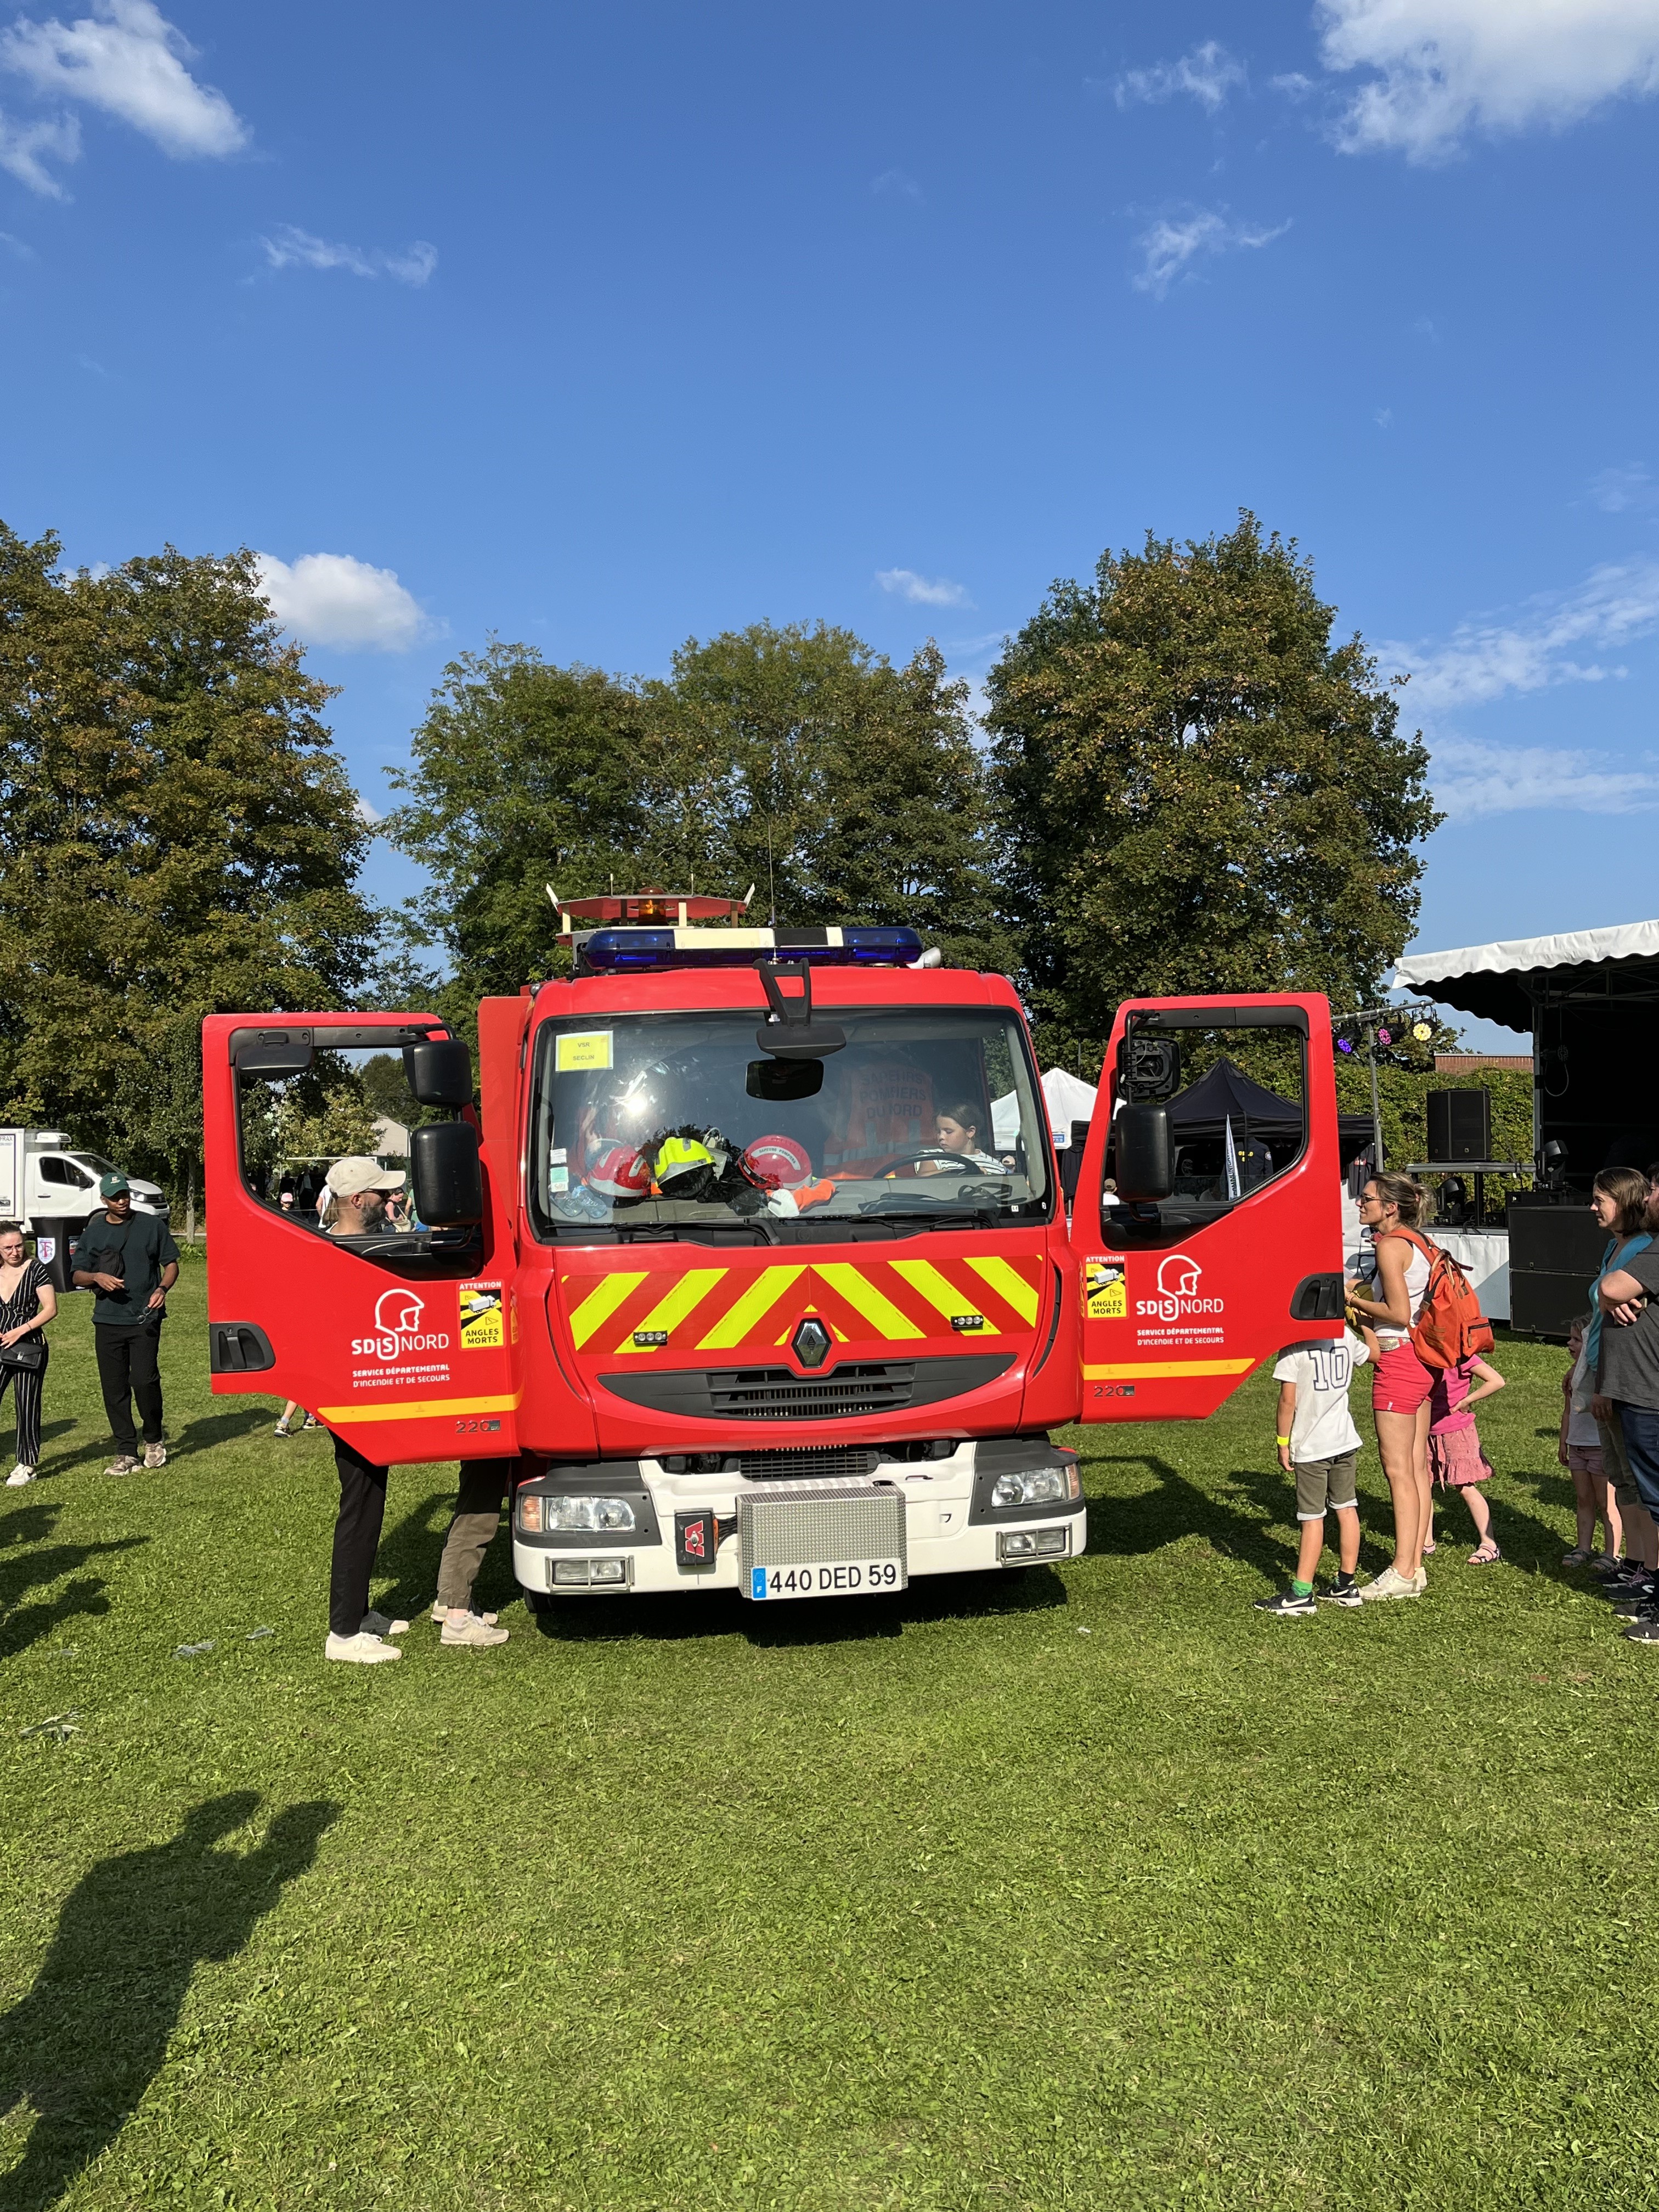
[[1419, 1581], [441, 1614], [382, 1623], [155, 1456], [1390, 1584], [471, 1629], [362, 1651], [19, 1475]]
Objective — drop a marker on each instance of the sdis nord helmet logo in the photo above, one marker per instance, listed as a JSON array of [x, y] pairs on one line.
[[398, 1317], [1178, 1290]]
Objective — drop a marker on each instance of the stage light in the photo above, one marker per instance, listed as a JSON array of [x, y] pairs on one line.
[[1382, 1037], [1422, 1031], [1345, 1044]]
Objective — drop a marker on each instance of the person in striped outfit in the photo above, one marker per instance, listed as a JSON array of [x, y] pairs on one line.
[[27, 1302]]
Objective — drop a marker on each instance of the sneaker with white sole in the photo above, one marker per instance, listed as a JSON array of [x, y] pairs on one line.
[[362, 1650], [471, 1629], [1419, 1581], [382, 1623], [1349, 1594], [155, 1456], [1288, 1605], [124, 1463], [441, 1614], [19, 1475], [1390, 1584]]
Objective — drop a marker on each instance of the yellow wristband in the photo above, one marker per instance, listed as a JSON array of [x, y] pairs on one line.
[[1281, 1440]]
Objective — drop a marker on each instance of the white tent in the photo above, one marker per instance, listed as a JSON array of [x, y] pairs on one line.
[[1067, 1099]]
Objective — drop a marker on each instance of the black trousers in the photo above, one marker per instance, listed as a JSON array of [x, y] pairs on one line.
[[129, 1369], [357, 1538], [30, 1384]]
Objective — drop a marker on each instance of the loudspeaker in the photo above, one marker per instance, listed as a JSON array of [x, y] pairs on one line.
[[1460, 1127], [1555, 1254]]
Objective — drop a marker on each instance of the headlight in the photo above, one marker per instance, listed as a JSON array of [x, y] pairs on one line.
[[540, 1515], [586, 1513], [1038, 1486]]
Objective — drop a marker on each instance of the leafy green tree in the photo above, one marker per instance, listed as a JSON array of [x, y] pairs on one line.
[[796, 760], [1201, 792], [176, 836]]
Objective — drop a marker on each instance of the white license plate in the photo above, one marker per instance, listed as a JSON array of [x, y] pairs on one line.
[[844, 1578]]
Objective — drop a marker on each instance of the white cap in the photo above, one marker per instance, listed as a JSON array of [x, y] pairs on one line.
[[348, 1176]]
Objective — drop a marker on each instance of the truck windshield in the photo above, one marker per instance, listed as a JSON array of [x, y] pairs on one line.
[[927, 1117]]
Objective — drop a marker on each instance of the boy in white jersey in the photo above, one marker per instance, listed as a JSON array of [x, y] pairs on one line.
[[1318, 1443]]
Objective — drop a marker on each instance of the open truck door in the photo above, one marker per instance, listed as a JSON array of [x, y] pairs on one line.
[[1206, 1224], [405, 1342]]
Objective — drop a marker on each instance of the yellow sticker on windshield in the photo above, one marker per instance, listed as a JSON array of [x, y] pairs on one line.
[[579, 1050], [1105, 1294]]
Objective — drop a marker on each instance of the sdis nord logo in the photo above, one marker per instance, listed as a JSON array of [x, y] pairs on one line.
[[1178, 1290], [398, 1317]]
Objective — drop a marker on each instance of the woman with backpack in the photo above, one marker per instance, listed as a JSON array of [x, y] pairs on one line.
[[1388, 1300]]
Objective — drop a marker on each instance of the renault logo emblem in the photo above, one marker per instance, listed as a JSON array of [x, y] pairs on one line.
[[810, 1343]]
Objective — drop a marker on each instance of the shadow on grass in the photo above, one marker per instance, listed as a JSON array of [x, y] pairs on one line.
[[28, 1562], [85, 2043], [410, 1555], [676, 1619], [228, 1428], [1127, 1527]]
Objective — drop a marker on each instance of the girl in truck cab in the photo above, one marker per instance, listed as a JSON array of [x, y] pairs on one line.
[[957, 1129]]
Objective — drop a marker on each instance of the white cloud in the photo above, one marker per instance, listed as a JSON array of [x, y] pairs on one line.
[[1444, 68], [292, 248], [25, 147], [1471, 778], [926, 591], [1209, 73], [1483, 659], [128, 59], [330, 598], [896, 183], [1173, 243], [1616, 490]]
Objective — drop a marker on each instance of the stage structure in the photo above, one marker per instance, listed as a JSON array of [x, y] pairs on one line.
[[1587, 997]]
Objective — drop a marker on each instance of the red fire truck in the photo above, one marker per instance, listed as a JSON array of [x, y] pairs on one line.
[[750, 1249]]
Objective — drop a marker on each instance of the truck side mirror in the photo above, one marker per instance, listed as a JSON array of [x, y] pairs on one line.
[[1145, 1163], [438, 1072], [445, 1171]]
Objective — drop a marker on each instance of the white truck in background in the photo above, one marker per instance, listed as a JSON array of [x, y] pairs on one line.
[[52, 1187]]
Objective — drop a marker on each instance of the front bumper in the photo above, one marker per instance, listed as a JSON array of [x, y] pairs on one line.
[[950, 1525]]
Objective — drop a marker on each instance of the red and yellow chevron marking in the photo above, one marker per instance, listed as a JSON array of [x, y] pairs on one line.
[[726, 1308]]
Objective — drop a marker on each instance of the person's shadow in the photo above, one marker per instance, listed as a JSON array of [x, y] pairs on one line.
[[85, 2042]]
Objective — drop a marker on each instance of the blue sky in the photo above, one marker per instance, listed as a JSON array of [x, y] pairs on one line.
[[605, 327]]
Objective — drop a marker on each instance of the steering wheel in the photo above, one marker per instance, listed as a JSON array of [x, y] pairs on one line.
[[951, 1163]]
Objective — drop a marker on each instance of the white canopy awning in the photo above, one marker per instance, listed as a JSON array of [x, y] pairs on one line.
[[1487, 978], [1067, 1099]]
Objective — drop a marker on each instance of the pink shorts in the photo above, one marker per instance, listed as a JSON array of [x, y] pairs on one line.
[[1585, 1459], [1400, 1381]]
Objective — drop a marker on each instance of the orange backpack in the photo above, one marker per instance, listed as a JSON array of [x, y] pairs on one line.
[[1450, 1326]]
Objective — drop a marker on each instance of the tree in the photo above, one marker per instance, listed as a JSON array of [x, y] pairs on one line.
[[176, 836], [796, 760], [1201, 792]]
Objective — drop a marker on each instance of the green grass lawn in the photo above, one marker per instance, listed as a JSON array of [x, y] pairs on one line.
[[1094, 1888]]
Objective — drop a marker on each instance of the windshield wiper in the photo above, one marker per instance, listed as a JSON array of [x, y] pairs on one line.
[[947, 1215]]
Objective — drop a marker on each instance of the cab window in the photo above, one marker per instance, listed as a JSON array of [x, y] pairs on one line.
[[1237, 1098], [293, 1127]]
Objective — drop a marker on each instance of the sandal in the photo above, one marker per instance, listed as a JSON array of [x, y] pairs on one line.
[[1484, 1553]]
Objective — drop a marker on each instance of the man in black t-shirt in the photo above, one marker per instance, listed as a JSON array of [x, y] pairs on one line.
[[129, 1262]]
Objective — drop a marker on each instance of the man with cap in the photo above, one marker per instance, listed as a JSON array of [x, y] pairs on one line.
[[129, 1262]]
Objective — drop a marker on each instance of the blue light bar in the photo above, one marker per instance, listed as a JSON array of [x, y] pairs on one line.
[[627, 951]]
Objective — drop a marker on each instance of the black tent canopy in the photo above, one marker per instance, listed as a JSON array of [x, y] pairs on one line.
[[1227, 1094]]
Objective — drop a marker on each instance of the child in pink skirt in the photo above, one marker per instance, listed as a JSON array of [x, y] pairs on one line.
[[1455, 1459]]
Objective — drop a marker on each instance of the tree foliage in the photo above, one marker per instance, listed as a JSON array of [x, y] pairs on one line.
[[1201, 792], [176, 836], [844, 789]]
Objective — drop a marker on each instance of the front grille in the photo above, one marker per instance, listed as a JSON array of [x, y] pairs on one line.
[[767, 1394], [813, 1527], [778, 1394], [815, 1459]]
